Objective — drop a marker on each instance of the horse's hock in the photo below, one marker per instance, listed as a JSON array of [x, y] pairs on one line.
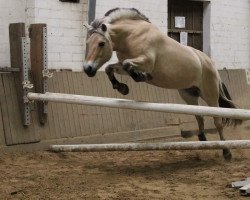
[[49, 121]]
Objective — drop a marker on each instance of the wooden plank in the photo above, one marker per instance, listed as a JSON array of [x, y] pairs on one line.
[[103, 114], [114, 113], [63, 108], [96, 117], [10, 136], [71, 89], [55, 112], [88, 111], [37, 64], [54, 123], [16, 32], [241, 85], [19, 133], [82, 125], [159, 97], [9, 69], [6, 134], [69, 108], [121, 111], [146, 117], [136, 123], [45, 123], [14, 89], [106, 114], [133, 95], [170, 119], [127, 118]]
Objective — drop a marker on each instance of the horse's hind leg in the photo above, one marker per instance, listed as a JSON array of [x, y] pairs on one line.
[[121, 87], [211, 96], [190, 96], [219, 126]]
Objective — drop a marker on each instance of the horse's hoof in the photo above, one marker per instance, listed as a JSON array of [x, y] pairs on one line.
[[202, 137], [115, 86], [123, 89], [227, 154]]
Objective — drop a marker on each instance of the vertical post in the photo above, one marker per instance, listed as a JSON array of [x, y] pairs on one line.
[[91, 10], [39, 65], [19, 59]]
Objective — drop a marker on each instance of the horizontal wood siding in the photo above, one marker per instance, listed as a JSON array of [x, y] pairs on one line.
[[75, 121], [79, 120]]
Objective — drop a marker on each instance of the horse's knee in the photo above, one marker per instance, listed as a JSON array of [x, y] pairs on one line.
[[126, 66], [109, 70]]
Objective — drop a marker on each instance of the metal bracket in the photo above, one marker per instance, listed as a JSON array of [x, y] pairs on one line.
[[25, 81], [27, 85], [47, 74]]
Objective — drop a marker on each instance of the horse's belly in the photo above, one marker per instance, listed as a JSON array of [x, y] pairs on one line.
[[173, 81]]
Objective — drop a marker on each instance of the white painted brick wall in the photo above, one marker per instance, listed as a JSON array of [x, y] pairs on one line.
[[66, 35], [156, 11], [12, 11], [230, 28], [230, 33]]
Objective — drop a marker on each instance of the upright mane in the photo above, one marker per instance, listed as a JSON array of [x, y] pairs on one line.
[[116, 14], [125, 13]]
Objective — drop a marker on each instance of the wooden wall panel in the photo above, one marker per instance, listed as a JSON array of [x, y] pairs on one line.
[[73, 121], [4, 123], [15, 132]]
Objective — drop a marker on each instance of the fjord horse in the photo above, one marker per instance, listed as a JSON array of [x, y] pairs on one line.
[[148, 55]]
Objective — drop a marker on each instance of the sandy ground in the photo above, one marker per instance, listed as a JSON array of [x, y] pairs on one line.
[[172, 175]]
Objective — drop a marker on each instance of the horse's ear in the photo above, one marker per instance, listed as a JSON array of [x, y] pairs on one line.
[[104, 27], [88, 27]]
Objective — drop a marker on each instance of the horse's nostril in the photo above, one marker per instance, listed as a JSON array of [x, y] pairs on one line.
[[88, 69]]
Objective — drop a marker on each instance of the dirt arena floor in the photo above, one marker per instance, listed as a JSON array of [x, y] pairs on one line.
[[171, 175]]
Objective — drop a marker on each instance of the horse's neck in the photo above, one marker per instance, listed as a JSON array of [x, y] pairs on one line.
[[119, 34], [118, 38]]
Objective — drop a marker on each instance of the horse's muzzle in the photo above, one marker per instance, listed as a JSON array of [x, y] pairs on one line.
[[90, 71]]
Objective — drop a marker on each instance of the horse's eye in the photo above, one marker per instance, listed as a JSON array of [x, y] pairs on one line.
[[101, 44]]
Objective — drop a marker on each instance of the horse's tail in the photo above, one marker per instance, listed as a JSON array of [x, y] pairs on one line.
[[225, 101]]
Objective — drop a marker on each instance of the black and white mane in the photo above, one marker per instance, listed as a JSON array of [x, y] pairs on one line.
[[116, 14]]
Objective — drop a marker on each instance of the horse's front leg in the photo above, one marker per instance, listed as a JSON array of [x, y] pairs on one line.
[[133, 66], [121, 87]]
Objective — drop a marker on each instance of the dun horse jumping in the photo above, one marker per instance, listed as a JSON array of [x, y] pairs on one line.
[[148, 55]]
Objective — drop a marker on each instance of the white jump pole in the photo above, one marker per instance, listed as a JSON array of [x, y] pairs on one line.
[[137, 105], [199, 145]]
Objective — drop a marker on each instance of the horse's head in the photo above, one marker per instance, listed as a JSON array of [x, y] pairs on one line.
[[98, 50]]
